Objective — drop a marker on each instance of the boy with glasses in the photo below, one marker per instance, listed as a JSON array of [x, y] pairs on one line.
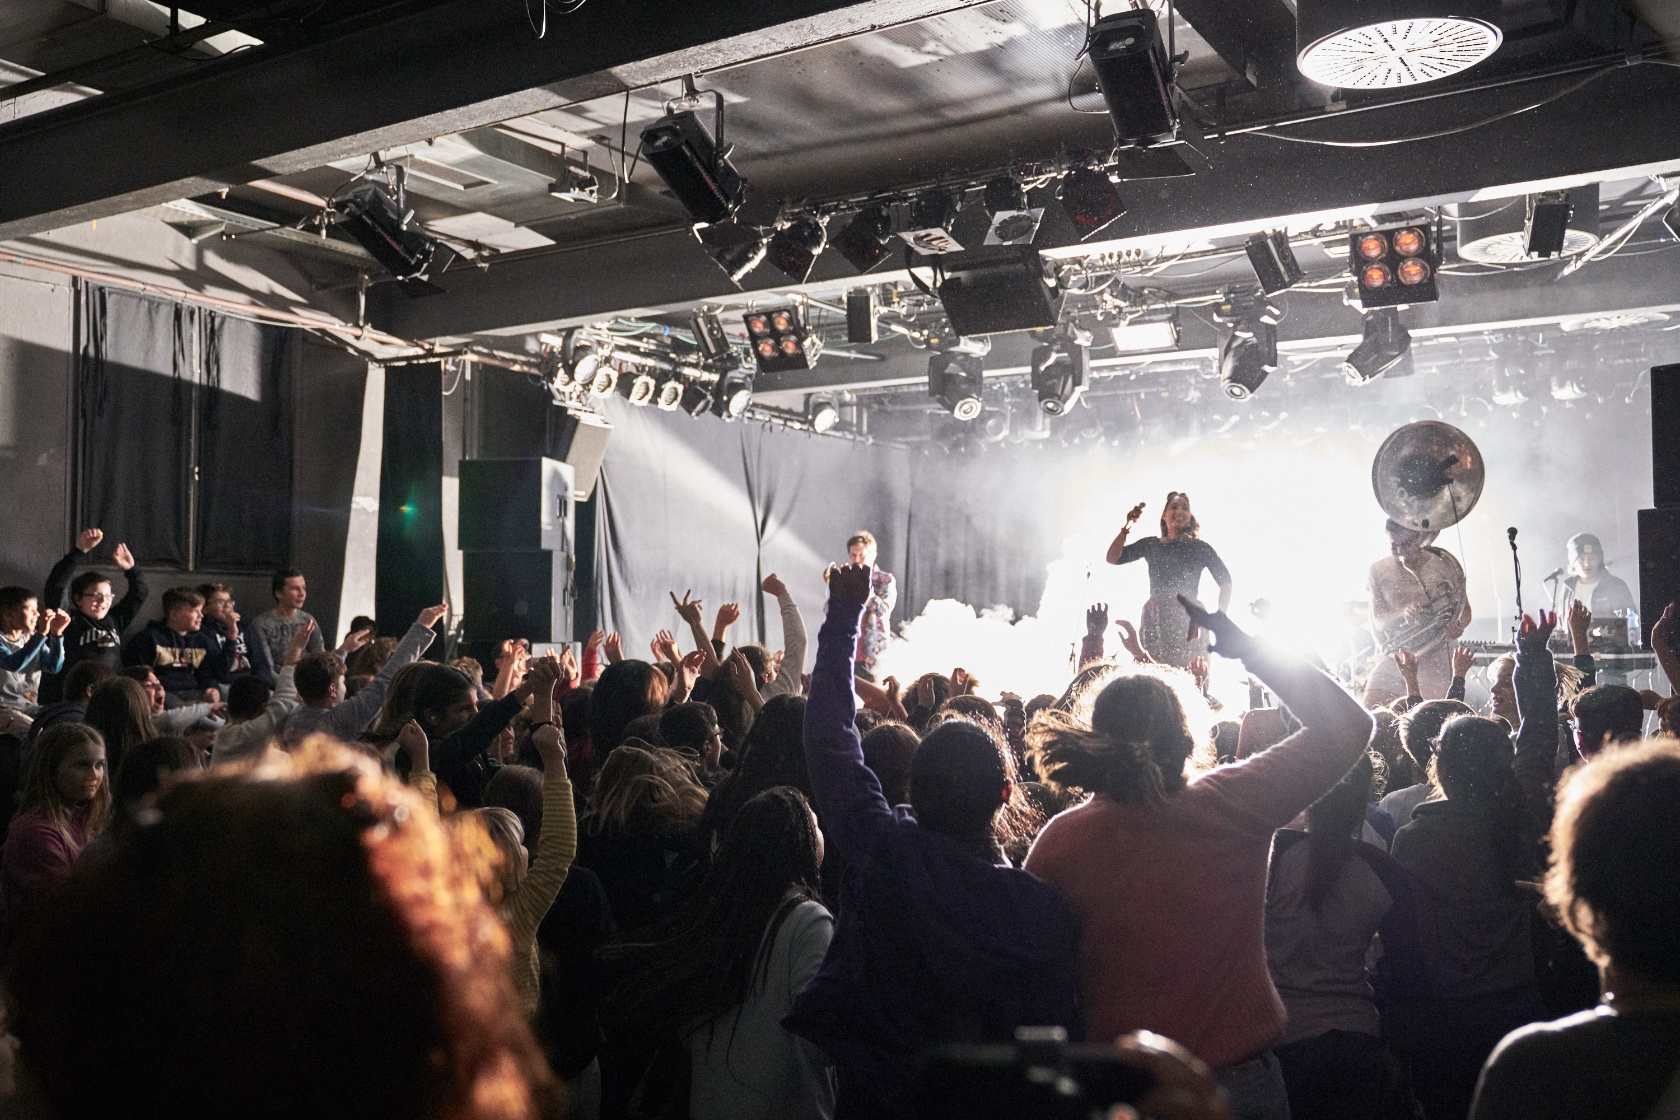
[[97, 618]]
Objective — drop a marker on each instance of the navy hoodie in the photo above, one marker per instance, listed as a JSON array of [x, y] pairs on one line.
[[244, 656], [185, 664], [89, 639], [933, 944]]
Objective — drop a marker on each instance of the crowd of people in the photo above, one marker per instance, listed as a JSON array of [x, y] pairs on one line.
[[246, 875]]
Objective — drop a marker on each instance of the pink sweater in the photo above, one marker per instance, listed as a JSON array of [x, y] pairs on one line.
[[1171, 898]]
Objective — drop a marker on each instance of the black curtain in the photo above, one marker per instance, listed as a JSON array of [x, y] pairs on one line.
[[184, 432], [245, 446], [409, 573]]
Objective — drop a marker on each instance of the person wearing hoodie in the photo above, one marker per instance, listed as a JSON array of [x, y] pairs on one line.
[[938, 939], [188, 662], [97, 619], [243, 651], [256, 712], [31, 643], [320, 685]]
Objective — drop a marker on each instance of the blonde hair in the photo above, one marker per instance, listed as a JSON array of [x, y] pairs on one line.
[[634, 782]]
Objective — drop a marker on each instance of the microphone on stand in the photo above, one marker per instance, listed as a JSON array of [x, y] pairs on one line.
[[1557, 574], [1516, 562]]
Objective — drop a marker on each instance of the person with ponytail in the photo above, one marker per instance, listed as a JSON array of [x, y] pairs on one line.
[[1468, 853], [1168, 876], [1329, 894], [64, 804], [938, 940], [725, 969]]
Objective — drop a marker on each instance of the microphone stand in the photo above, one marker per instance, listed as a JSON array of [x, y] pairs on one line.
[[1516, 562]]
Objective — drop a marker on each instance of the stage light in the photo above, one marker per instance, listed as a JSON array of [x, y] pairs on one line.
[[670, 394], [958, 382], [643, 389], [1273, 261], [1509, 386], [1503, 230], [1060, 371], [1136, 336], [604, 380], [932, 214], [1547, 224], [696, 399], [1395, 266], [781, 341], [579, 356], [862, 327], [374, 220], [700, 175], [1338, 43], [1013, 221], [823, 414], [1090, 200], [794, 248], [1135, 76], [709, 336], [1001, 289], [866, 240], [1384, 345], [1243, 365], [737, 249], [733, 395]]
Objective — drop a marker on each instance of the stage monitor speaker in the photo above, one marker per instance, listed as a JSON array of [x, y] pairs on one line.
[[1659, 565], [1665, 436], [516, 504], [579, 439], [524, 594]]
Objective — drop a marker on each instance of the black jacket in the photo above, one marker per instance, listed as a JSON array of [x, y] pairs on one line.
[[88, 638]]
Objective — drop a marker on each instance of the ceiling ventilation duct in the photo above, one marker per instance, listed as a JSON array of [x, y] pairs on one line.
[[1495, 231], [1383, 44]]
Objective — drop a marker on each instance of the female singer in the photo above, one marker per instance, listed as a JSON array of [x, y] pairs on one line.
[[1176, 560]]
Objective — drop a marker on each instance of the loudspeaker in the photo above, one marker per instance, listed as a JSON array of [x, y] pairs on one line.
[[514, 504], [1659, 565], [1665, 435], [524, 594], [579, 439], [409, 575]]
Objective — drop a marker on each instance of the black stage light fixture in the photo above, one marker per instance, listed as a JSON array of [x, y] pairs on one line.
[[1385, 345], [781, 341], [1135, 75], [733, 395], [957, 381], [737, 248], [580, 356], [696, 399], [862, 309], [1547, 223], [795, 247], [643, 388], [1090, 200], [670, 396], [1060, 371], [1395, 266], [709, 336], [1004, 192], [1013, 221], [999, 289], [822, 414], [701, 177], [866, 240], [1273, 261], [932, 214], [374, 220], [1246, 359]]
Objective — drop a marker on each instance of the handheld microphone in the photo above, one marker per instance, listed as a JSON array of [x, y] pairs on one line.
[[1512, 534]]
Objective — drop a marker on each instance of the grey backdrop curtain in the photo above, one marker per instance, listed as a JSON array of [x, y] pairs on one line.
[[180, 409]]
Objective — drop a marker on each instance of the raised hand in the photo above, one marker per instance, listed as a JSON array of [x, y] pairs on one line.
[[1463, 660], [773, 586], [1230, 640], [123, 558], [1135, 513], [414, 743], [848, 584], [739, 673], [60, 622], [727, 616], [664, 648], [691, 666], [1536, 630], [961, 683], [1129, 640], [895, 701], [429, 617], [615, 648], [356, 639], [88, 539], [1407, 662], [1096, 620], [299, 642], [596, 637], [1580, 625], [689, 610], [1198, 668]]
